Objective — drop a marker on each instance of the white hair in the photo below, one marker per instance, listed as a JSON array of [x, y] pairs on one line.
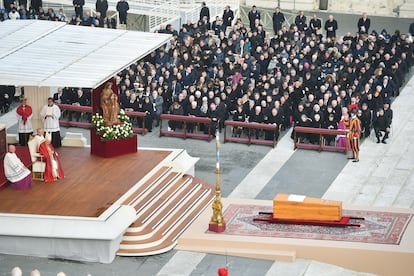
[[35, 273], [16, 271], [61, 274]]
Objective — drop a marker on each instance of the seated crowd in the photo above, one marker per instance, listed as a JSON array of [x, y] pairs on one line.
[[296, 77]]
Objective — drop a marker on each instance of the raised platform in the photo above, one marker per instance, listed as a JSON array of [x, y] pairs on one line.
[[84, 216], [383, 246]]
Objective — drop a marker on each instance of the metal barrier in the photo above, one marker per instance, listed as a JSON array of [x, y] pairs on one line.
[[299, 143], [185, 120], [251, 129], [67, 119]]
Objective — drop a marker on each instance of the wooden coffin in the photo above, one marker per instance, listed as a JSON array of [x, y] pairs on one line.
[[306, 208]]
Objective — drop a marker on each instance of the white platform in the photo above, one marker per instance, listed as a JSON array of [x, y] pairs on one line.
[[78, 238]]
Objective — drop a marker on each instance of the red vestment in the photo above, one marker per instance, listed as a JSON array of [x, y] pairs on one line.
[[51, 159], [25, 111]]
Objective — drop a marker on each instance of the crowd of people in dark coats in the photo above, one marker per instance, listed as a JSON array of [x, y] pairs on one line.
[[303, 74], [298, 76]]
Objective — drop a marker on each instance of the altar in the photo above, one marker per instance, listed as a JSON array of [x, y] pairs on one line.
[[108, 148], [112, 148]]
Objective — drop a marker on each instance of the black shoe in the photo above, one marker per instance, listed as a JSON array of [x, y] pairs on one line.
[[356, 160], [378, 140], [383, 141]]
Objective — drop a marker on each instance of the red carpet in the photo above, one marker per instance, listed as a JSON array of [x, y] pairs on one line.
[[378, 227]]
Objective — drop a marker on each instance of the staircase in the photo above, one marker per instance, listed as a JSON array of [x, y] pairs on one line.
[[165, 205]]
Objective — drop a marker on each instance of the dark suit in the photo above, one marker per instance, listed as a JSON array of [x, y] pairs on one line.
[[78, 5], [330, 28], [102, 7], [278, 19], [363, 25], [228, 17], [122, 7]]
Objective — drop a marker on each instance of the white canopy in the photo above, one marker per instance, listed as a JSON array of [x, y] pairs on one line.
[[45, 53]]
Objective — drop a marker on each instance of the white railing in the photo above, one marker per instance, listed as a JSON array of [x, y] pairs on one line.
[[190, 9], [159, 12]]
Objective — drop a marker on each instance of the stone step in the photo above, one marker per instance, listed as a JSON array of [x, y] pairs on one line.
[[142, 203], [164, 217], [153, 210], [143, 226], [167, 234], [157, 176]]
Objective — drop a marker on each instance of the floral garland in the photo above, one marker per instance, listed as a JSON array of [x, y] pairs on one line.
[[118, 131]]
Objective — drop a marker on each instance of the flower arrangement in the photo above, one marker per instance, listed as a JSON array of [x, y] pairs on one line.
[[118, 131]]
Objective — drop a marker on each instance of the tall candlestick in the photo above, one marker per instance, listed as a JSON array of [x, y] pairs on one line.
[[217, 223]]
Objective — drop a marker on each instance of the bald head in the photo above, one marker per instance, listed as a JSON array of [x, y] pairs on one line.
[[12, 148]]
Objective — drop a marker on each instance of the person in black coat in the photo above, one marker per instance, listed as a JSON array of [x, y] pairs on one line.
[[213, 114], [257, 117], [240, 116], [316, 123], [148, 109], [221, 112], [364, 115], [300, 21], [205, 11], [175, 109], [315, 24], [62, 96], [411, 29], [388, 111], [78, 5], [102, 7], [273, 119], [228, 17], [193, 111], [330, 123], [36, 4], [381, 124], [331, 25], [278, 18], [253, 15], [363, 24], [304, 121], [122, 7], [7, 5]]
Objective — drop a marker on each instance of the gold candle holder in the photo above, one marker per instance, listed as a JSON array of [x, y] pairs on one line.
[[217, 223]]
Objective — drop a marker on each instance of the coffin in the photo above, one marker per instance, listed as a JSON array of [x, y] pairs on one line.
[[112, 148], [306, 208]]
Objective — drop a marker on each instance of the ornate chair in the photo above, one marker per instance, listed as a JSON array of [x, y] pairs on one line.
[[38, 164]]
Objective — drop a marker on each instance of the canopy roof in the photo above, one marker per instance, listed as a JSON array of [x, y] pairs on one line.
[[46, 53]]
